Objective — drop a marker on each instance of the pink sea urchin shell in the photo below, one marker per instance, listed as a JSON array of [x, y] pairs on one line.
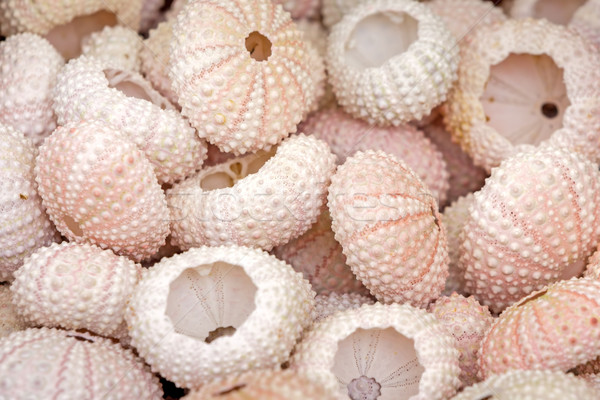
[[98, 187], [556, 328], [536, 217], [88, 88], [24, 225], [75, 286], [327, 305], [346, 135], [246, 79], [28, 69], [391, 61], [50, 363], [258, 200], [388, 224], [301, 8], [468, 321], [397, 350], [504, 102], [10, 321], [319, 257], [217, 311]]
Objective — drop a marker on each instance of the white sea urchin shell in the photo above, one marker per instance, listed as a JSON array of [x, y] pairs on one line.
[[116, 46]]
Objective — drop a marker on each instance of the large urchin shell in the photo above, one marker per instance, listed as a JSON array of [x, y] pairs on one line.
[[50, 363], [98, 187], [397, 350], [319, 257], [388, 224], [24, 225], [28, 69], [155, 59], [10, 321], [258, 200], [526, 385], [75, 286], [536, 218], [327, 305], [504, 103], [466, 320], [346, 135], [391, 61], [246, 78], [115, 46], [556, 328], [262, 385], [217, 311], [88, 88]]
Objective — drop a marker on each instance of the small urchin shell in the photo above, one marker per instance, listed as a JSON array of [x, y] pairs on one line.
[[334, 10], [391, 61], [75, 286], [389, 227], [49, 363], [155, 59], [10, 321], [558, 11], [319, 257], [503, 103], [536, 218], [346, 135], [262, 385], [468, 321], [592, 270], [150, 14], [24, 225], [184, 310], [585, 21], [527, 385], [301, 8], [88, 88], [98, 187], [326, 305], [246, 78], [116, 46], [403, 350], [28, 69], [258, 200], [556, 328]]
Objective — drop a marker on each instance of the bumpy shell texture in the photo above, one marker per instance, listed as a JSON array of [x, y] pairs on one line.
[[466, 320], [319, 257], [396, 350], [24, 225], [246, 78], [50, 363], [10, 321], [346, 135], [217, 311], [526, 385], [155, 59], [326, 305], [391, 61], [504, 103], [557, 11], [301, 8], [88, 88], [536, 219], [75, 286], [258, 200], [28, 69], [116, 46], [585, 21], [388, 224], [97, 187], [556, 329], [262, 385]]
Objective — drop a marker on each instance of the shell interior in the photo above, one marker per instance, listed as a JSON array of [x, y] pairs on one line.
[[557, 11], [383, 355], [133, 86], [67, 38], [379, 37], [525, 98], [230, 172], [73, 225], [209, 300]]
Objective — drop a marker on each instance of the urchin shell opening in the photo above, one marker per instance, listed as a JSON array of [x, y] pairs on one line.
[[379, 37], [73, 226], [230, 172], [259, 46], [67, 38], [131, 86], [557, 11], [205, 298], [525, 98], [384, 355]]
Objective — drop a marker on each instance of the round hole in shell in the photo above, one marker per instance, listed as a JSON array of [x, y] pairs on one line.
[[377, 364], [67, 38], [73, 226], [134, 86], [557, 11], [525, 98], [259, 46], [379, 37], [210, 300]]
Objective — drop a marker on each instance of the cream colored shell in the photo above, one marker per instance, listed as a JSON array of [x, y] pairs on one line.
[[115, 46]]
